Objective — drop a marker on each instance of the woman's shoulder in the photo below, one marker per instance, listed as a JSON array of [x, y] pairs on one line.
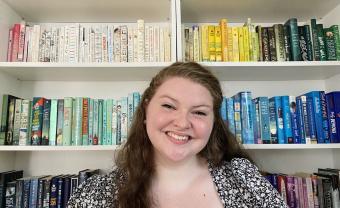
[[97, 191]]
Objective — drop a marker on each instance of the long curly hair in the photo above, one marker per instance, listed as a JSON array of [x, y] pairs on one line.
[[136, 158]]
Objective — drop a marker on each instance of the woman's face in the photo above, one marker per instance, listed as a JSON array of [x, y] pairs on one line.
[[179, 119]]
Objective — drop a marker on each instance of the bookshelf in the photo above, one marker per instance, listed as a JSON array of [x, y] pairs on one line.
[[101, 80]]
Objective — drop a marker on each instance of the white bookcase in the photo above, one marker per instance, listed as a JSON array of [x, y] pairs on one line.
[[102, 80]]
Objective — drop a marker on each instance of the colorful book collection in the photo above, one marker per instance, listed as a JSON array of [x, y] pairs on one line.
[[319, 189], [85, 43], [69, 121], [311, 118], [280, 42], [40, 191]]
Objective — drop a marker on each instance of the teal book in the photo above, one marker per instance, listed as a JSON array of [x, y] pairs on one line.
[[124, 119], [85, 121], [114, 122], [53, 122], [119, 111], [100, 121], [46, 122], [316, 47], [237, 116], [335, 30], [307, 36], [247, 118], [104, 135], [90, 121], [294, 39], [136, 101], [330, 43], [77, 119], [67, 124], [321, 41], [60, 122], [109, 106], [95, 122], [264, 119], [130, 109]]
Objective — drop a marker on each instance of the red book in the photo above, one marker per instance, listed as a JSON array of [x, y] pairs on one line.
[[15, 42]]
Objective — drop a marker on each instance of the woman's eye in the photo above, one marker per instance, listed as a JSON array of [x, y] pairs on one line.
[[200, 113], [168, 106]]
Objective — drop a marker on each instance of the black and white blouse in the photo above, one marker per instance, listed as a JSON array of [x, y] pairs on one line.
[[238, 183]]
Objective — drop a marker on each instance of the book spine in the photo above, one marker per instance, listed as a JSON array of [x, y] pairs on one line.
[[16, 123], [272, 122], [265, 44], [294, 120], [256, 122], [311, 110], [4, 118], [9, 46], [15, 42], [140, 37], [196, 43], [287, 43], [246, 43], [230, 43], [90, 121], [279, 42], [156, 43], [258, 30], [306, 121], [21, 44], [224, 38], [324, 117], [60, 122], [238, 124], [33, 192], [230, 115], [294, 39], [110, 44], [40, 193], [24, 123], [67, 125], [211, 42], [53, 122], [123, 119], [130, 45], [264, 119], [100, 121], [272, 45], [77, 122], [124, 44], [321, 41], [104, 135], [46, 122], [303, 44], [336, 32], [37, 120], [287, 124], [60, 192], [95, 122], [336, 97], [114, 122], [236, 49], [331, 117], [130, 109], [316, 47], [241, 43], [223, 109], [307, 37], [109, 121], [104, 37], [85, 121], [330, 44], [246, 118], [54, 192]]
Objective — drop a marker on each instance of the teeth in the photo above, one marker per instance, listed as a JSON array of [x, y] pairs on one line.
[[177, 137]]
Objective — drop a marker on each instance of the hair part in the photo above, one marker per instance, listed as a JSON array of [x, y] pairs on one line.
[[136, 158]]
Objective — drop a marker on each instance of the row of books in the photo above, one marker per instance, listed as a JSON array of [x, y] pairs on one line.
[[84, 43], [39, 191], [311, 118], [304, 190], [68, 121], [280, 42]]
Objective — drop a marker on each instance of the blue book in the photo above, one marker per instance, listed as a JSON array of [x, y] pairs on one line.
[[246, 118], [54, 191], [104, 135], [237, 117], [287, 125], [304, 121], [277, 104], [136, 101], [311, 110], [67, 190], [223, 110], [256, 121], [333, 130], [33, 199], [272, 122], [230, 115], [60, 192], [336, 97], [294, 120], [130, 110], [264, 119], [323, 108]]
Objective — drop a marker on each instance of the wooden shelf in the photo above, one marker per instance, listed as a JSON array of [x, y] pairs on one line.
[[225, 71]]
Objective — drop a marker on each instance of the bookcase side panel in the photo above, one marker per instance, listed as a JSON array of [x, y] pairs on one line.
[[7, 18]]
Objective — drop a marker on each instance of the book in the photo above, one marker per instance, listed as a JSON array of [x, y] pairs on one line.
[[37, 120], [294, 39]]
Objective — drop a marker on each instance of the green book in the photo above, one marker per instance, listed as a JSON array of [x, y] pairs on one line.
[[330, 44], [67, 124], [316, 47], [109, 103], [321, 41], [307, 35], [100, 121], [77, 122], [294, 39], [53, 122], [280, 42], [335, 30]]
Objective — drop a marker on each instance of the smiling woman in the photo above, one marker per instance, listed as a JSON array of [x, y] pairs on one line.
[[179, 152]]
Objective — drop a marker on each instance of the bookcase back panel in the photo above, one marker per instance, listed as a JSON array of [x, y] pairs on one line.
[[272, 88], [333, 84], [63, 162], [336, 154], [333, 17], [261, 11], [7, 18], [293, 161], [7, 161], [8, 85], [92, 11], [97, 90]]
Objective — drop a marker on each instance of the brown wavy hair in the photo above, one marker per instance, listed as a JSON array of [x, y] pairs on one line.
[[136, 158]]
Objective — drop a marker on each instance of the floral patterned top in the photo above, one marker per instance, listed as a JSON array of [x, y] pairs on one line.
[[238, 184]]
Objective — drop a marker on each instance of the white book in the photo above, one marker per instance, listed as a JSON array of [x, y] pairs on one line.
[[42, 43], [168, 45], [17, 118], [73, 44], [123, 43], [104, 43], [147, 44], [124, 119], [61, 44], [196, 45], [116, 42], [24, 123], [87, 44], [130, 44], [81, 44], [35, 43], [47, 45], [28, 44], [92, 45], [54, 44], [98, 43], [161, 45], [114, 122], [110, 43], [66, 43], [135, 44], [151, 44], [156, 43], [140, 35]]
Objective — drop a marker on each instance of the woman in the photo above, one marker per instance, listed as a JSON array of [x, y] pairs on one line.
[[180, 153]]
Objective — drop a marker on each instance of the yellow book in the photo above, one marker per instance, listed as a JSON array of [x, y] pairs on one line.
[[205, 43], [241, 43], [251, 29], [218, 43], [236, 52], [211, 39], [224, 36], [230, 44], [246, 41]]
